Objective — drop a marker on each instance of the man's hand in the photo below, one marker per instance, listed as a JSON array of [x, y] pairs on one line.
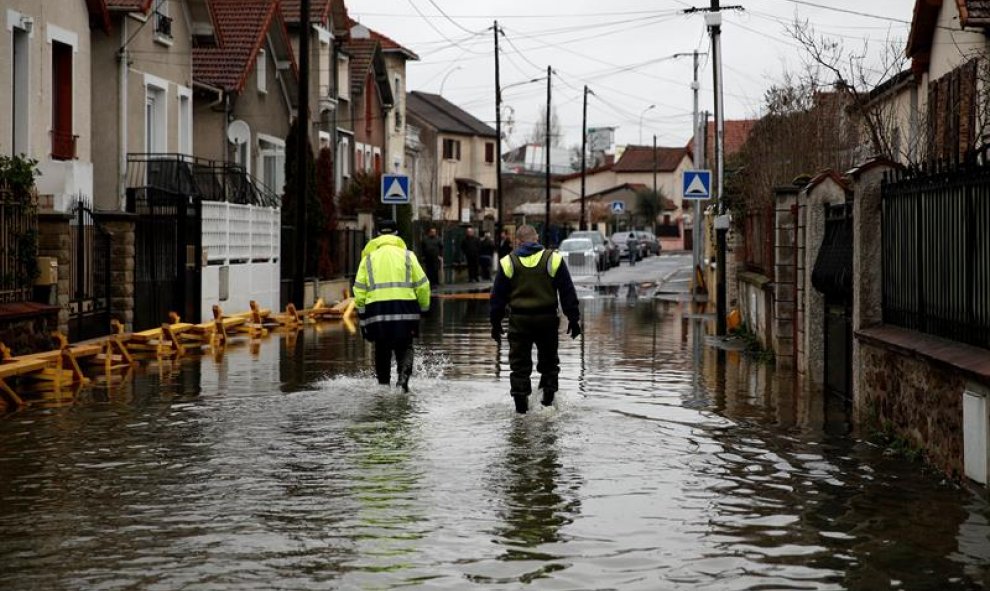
[[574, 328], [497, 333]]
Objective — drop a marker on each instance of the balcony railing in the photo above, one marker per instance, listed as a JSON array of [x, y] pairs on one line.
[[163, 25], [208, 180], [63, 145]]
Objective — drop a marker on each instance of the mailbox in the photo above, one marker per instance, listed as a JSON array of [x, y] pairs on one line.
[[47, 271]]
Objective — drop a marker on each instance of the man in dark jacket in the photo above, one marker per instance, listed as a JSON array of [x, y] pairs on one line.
[[430, 251], [504, 244], [529, 281], [471, 247], [487, 252]]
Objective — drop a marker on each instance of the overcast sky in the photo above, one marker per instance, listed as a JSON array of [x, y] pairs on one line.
[[622, 49]]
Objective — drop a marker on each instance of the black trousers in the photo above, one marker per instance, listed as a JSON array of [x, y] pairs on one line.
[[432, 270], [486, 266], [524, 332], [384, 349], [472, 267]]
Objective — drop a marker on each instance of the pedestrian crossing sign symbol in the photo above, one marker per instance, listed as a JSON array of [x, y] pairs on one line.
[[618, 207], [395, 188], [697, 184]]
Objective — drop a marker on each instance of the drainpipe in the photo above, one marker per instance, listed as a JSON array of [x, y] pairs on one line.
[[122, 111]]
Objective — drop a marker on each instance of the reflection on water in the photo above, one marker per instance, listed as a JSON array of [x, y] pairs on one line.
[[663, 465]]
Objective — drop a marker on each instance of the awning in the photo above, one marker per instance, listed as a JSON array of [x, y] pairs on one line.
[[467, 181]]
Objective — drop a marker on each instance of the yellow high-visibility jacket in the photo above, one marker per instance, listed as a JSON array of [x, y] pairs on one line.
[[390, 290]]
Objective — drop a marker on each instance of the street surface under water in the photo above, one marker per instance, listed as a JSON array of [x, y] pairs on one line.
[[288, 468]]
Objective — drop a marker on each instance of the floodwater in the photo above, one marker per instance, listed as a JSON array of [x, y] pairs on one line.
[[286, 467]]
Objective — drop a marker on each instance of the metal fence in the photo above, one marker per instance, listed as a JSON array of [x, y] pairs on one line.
[[936, 253], [18, 247]]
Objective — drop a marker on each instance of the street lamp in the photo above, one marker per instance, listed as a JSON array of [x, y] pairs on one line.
[[641, 123], [444, 81]]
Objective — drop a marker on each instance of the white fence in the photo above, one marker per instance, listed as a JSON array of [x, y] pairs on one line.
[[241, 246]]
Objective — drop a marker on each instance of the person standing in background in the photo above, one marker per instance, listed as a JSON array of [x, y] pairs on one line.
[[430, 251], [471, 248], [487, 252]]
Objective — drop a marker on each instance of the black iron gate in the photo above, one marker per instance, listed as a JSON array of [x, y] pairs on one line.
[[832, 276], [89, 276], [167, 252]]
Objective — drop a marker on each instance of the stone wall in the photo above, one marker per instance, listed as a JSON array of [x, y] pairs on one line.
[[121, 228], [27, 328], [54, 241], [788, 263], [916, 400]]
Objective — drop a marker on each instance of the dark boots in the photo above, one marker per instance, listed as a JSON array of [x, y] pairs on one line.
[[547, 399], [522, 403]]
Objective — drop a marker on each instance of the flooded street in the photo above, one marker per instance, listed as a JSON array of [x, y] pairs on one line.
[[289, 468]]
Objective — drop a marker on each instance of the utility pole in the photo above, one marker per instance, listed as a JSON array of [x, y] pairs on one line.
[[714, 21], [302, 164], [656, 197], [498, 140], [584, 154], [699, 159], [546, 151]]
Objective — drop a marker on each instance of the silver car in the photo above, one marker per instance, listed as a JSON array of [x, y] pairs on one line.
[[580, 256]]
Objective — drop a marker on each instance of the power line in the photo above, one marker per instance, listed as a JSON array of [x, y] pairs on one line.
[[438, 31], [456, 24]]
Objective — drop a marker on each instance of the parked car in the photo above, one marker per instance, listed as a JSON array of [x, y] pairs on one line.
[[648, 243], [580, 256], [608, 251], [628, 245]]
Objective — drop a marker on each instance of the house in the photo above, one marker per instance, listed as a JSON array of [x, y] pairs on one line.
[[371, 100], [529, 158], [246, 83], [457, 175], [396, 57], [640, 166], [246, 86], [329, 86], [45, 68], [144, 103]]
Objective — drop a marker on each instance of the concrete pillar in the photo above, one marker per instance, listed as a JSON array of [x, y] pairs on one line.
[[121, 228], [867, 265], [54, 241], [826, 189], [785, 276]]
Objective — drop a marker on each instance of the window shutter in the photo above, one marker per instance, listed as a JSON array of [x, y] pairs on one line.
[[446, 196]]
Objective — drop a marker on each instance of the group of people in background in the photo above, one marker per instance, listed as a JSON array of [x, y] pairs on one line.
[[479, 254]]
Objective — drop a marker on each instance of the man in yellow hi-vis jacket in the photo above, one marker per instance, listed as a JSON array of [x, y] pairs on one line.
[[390, 293]]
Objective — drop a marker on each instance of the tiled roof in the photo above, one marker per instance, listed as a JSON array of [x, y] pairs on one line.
[[736, 133], [974, 13], [445, 116], [387, 43], [129, 5], [99, 14], [362, 52], [640, 159], [318, 10], [241, 27]]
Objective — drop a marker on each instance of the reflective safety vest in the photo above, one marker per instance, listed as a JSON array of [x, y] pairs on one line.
[[390, 289], [530, 278]]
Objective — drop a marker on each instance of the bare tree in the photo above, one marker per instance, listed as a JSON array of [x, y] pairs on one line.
[[539, 133]]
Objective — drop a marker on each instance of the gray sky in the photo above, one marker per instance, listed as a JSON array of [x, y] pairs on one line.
[[622, 49]]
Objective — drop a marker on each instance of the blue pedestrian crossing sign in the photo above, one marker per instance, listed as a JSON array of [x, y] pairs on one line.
[[395, 188], [697, 184], [618, 207]]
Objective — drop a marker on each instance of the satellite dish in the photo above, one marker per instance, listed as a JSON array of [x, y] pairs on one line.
[[238, 132]]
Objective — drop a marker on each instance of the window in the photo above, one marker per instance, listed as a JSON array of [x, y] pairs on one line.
[[185, 121], [489, 152], [343, 78], [344, 168], [486, 197], [20, 93], [359, 157], [451, 149], [398, 98], [446, 196], [271, 157], [261, 70], [63, 142], [378, 161], [162, 22], [155, 140], [368, 161]]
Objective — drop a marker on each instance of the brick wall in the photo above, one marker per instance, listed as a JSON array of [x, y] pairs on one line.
[[54, 241], [121, 228]]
